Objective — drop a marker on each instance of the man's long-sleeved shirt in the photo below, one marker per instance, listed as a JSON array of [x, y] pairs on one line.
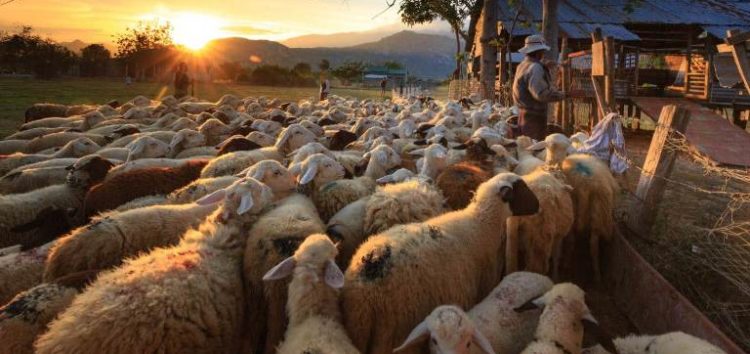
[[532, 89]]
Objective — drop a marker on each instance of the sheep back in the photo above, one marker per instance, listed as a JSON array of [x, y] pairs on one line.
[[335, 195], [459, 182], [401, 203]]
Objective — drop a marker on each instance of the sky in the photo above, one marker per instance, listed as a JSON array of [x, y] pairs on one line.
[[195, 21]]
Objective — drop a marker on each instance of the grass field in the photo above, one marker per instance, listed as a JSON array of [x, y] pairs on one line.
[[18, 94]]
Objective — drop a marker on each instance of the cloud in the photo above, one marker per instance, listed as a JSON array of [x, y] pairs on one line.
[[247, 30]]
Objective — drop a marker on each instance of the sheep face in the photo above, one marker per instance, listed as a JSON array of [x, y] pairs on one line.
[[214, 127], [320, 168], [509, 190], [274, 175], [316, 254], [146, 147], [294, 137], [362, 125], [314, 128], [88, 171], [261, 139], [93, 118], [245, 196], [384, 156], [186, 139], [183, 123], [398, 176], [81, 147], [267, 126], [450, 331]]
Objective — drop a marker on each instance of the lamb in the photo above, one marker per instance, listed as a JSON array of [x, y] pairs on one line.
[[199, 188], [594, 196], [20, 209], [541, 234], [434, 162], [59, 139], [144, 164], [195, 287], [12, 146], [313, 306], [235, 143], [273, 238], [110, 238], [492, 324], [459, 182], [563, 320], [557, 147], [142, 202], [143, 147], [379, 301], [669, 343], [184, 140], [527, 162], [26, 316], [51, 122], [215, 131], [274, 175], [125, 187]]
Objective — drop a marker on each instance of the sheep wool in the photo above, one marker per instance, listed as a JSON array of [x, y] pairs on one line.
[[199, 188], [402, 203], [313, 306], [275, 236], [186, 298], [455, 257], [347, 228], [22, 270], [669, 343], [459, 182]]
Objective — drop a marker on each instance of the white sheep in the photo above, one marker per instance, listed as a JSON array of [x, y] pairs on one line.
[[312, 305], [669, 343], [493, 324], [273, 174], [527, 162], [199, 188], [185, 139], [261, 139], [195, 287], [435, 160]]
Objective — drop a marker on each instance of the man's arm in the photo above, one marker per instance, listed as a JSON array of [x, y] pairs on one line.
[[540, 88]]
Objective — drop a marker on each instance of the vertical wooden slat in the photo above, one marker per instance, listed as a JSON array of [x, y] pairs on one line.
[[739, 52], [657, 169]]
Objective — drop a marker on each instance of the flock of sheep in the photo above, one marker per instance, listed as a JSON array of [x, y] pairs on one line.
[[257, 226]]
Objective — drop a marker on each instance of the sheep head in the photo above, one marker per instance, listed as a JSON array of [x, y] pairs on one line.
[[245, 196], [185, 139], [316, 254], [293, 137], [558, 147], [78, 147], [87, 171], [146, 147], [274, 175], [507, 192], [450, 331], [236, 143], [319, 168], [261, 139]]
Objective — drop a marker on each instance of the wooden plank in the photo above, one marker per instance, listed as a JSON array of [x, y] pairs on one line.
[[657, 168], [598, 62], [737, 37], [724, 48], [739, 52], [609, 72]]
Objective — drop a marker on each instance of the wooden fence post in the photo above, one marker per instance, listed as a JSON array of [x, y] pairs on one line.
[[657, 169]]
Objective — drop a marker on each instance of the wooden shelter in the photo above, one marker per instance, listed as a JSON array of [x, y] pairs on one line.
[[660, 47]]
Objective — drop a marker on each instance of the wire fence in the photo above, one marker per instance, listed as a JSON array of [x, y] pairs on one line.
[[701, 239]]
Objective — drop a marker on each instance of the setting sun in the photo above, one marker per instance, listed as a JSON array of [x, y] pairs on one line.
[[194, 30]]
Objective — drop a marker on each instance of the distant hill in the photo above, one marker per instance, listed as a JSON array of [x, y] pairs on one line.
[[336, 40], [425, 55]]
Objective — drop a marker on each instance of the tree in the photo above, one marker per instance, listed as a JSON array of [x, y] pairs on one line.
[[29, 53], [231, 70], [94, 60], [324, 65], [349, 71], [393, 65], [141, 46], [454, 12], [302, 69], [489, 51]]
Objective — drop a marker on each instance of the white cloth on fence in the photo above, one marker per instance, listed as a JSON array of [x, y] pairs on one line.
[[607, 142]]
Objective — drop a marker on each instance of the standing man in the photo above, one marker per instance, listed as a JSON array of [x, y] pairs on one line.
[[325, 87], [532, 89], [383, 84], [181, 81]]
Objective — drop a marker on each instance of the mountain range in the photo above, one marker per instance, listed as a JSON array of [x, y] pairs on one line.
[[424, 55]]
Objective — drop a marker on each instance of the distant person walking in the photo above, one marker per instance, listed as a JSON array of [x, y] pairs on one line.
[[532, 89], [181, 81], [325, 88], [383, 84]]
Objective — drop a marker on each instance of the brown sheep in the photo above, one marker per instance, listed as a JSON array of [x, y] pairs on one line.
[[459, 182], [140, 183]]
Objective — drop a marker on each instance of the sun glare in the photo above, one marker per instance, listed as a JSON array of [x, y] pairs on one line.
[[194, 30]]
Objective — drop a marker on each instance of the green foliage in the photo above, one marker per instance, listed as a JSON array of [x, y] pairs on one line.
[[25, 52], [302, 69], [393, 65], [274, 75], [231, 70], [349, 71], [324, 65], [145, 36], [94, 60]]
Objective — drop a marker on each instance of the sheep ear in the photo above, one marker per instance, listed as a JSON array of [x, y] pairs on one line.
[[482, 342], [283, 139], [259, 173], [521, 200], [281, 270], [417, 152], [246, 203], [295, 169], [443, 141], [309, 175], [591, 325], [176, 141], [419, 333], [212, 198], [533, 304], [385, 179], [538, 146], [334, 277], [512, 160]]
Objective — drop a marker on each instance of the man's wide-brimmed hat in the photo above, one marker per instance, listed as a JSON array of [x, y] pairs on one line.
[[534, 43]]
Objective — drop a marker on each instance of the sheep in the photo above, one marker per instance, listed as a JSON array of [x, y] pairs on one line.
[[400, 175], [541, 234], [78, 147], [199, 188], [115, 131], [330, 192], [235, 162], [274, 175], [184, 140], [165, 136], [43, 110], [313, 307], [144, 164], [28, 179], [347, 228], [435, 160], [20, 209], [26, 316], [110, 238], [141, 148], [274, 237], [527, 162], [35, 133], [669, 343], [12, 146], [379, 299], [59, 139], [562, 322], [142, 202], [22, 270], [125, 187], [196, 107], [261, 139], [557, 147], [195, 287], [401, 203], [51, 122], [381, 159], [215, 131], [235, 143], [493, 324], [459, 182]]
